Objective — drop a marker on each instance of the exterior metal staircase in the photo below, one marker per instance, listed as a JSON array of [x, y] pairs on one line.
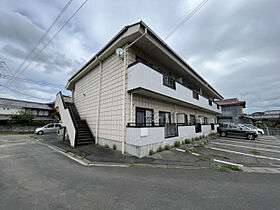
[[83, 133]]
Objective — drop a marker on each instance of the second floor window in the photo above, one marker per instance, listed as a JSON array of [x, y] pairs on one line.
[[210, 102], [195, 95], [169, 82]]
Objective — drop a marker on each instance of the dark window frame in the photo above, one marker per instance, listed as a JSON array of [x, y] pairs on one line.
[[192, 116], [145, 122], [210, 102], [169, 81], [163, 112], [195, 95]]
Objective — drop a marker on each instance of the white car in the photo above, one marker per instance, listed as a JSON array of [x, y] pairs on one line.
[[252, 127], [260, 131], [50, 128]]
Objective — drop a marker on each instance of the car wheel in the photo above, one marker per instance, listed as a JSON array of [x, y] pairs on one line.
[[260, 133], [223, 134], [40, 133], [250, 137]]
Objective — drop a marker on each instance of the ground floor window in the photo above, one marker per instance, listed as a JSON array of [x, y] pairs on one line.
[[144, 117], [182, 119], [192, 119], [205, 120], [164, 118]]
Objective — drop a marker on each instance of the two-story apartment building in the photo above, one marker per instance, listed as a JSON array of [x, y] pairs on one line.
[[138, 94]]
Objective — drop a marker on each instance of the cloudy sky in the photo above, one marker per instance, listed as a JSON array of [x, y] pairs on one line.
[[233, 44]]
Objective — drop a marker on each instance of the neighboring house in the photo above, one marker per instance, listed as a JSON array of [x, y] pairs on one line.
[[232, 111], [40, 111], [138, 94], [269, 115]]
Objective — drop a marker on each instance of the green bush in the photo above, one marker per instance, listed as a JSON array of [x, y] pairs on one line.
[[187, 141], [167, 147], [192, 150], [160, 149], [114, 146], [196, 138], [187, 149], [22, 117], [177, 144], [151, 152]]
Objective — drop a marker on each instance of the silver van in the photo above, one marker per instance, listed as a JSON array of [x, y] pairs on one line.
[[49, 128]]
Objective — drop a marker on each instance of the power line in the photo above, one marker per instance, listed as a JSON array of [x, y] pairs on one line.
[[23, 93], [42, 38], [53, 36], [6, 76], [188, 17]]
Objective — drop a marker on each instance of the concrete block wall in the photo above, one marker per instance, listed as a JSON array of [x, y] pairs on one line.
[[140, 146]]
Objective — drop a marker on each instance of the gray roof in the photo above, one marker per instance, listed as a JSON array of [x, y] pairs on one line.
[[24, 104]]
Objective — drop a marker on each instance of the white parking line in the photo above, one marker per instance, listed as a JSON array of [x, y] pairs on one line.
[[240, 146], [180, 150], [256, 143], [229, 163], [241, 153]]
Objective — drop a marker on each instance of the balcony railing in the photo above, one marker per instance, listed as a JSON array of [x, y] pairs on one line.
[[146, 78]]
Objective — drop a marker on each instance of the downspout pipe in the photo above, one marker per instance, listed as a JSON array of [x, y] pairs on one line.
[[124, 81], [98, 101]]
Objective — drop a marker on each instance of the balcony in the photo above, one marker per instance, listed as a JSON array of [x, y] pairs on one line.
[[143, 79]]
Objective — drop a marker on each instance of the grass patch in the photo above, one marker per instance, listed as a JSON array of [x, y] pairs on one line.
[[151, 152], [114, 146], [67, 151], [136, 165], [160, 149], [203, 158], [33, 137], [177, 144], [220, 156], [223, 169], [233, 168], [190, 150], [187, 141], [106, 146], [161, 166], [255, 151], [212, 134], [167, 147]]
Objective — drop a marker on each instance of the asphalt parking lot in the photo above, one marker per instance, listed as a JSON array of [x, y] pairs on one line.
[[34, 176], [262, 153]]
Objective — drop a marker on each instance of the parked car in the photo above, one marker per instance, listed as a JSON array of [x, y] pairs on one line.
[[231, 129], [259, 130], [49, 128]]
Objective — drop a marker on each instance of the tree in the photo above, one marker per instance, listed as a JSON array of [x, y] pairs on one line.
[[21, 117]]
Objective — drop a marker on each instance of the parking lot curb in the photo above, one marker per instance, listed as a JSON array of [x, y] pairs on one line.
[[87, 163]]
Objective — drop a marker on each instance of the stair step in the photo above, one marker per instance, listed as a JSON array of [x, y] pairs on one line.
[[84, 139], [80, 136]]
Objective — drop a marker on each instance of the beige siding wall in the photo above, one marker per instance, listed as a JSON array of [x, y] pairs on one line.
[[86, 97], [159, 105], [111, 99]]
